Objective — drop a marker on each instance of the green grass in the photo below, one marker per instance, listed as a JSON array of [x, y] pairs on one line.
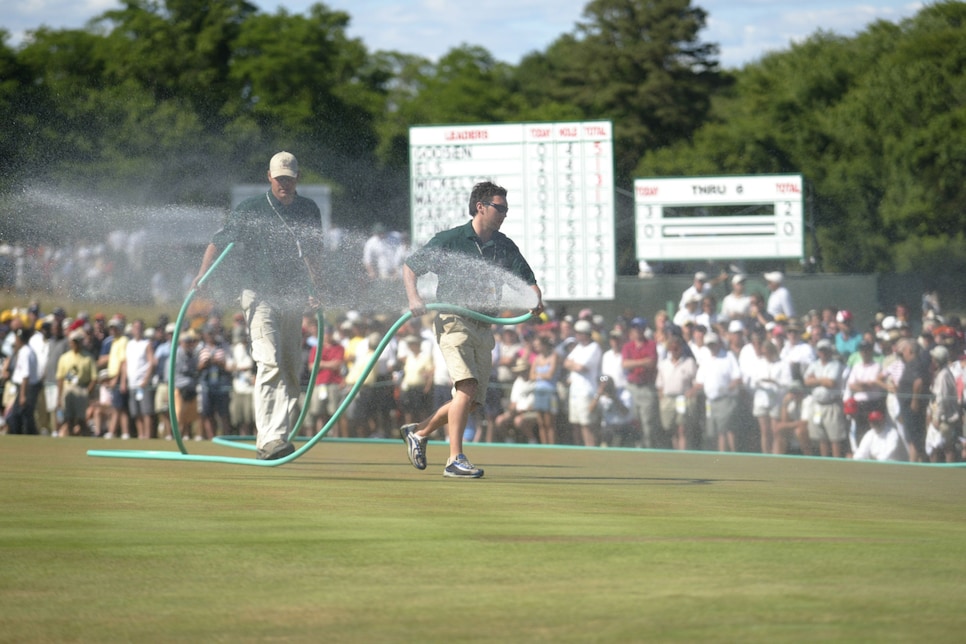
[[349, 543]]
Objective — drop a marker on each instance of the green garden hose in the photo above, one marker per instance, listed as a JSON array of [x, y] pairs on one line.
[[245, 442]]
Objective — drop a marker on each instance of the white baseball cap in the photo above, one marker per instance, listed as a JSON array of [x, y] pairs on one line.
[[774, 276], [284, 164]]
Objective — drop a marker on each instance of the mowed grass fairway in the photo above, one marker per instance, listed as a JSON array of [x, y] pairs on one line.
[[350, 543]]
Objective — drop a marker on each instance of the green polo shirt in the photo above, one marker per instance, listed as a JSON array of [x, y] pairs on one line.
[[268, 238], [471, 273]]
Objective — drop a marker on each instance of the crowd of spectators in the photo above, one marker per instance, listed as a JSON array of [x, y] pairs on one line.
[[748, 374]]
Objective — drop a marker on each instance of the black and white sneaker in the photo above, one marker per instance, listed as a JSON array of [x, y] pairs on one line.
[[415, 445], [461, 468]]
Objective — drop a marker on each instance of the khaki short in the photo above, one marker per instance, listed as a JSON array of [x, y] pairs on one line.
[[161, 398], [325, 400], [674, 413], [467, 349], [827, 422]]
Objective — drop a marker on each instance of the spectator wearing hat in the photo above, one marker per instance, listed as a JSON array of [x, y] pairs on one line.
[[720, 379], [137, 373], [416, 386], [867, 384], [14, 323], [779, 298], [162, 354], [944, 416], [797, 353], [882, 442], [736, 305], [118, 422], [639, 359], [76, 377], [241, 410], [688, 310], [616, 411], [583, 365], [186, 377], [846, 339], [677, 395], [216, 382], [827, 424], [42, 341], [27, 382], [701, 286]]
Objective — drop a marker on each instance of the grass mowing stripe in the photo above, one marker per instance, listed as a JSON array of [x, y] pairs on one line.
[[350, 543]]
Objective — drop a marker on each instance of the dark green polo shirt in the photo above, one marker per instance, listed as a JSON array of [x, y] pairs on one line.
[[471, 273], [268, 238]]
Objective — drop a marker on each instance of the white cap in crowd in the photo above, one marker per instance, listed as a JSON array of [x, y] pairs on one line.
[[774, 276]]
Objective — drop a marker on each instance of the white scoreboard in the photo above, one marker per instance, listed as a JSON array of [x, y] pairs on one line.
[[560, 183], [688, 218]]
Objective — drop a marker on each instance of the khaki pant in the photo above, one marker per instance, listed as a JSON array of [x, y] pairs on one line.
[[276, 338]]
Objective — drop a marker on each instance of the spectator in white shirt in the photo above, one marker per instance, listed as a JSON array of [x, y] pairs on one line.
[[720, 378], [780, 300], [882, 442]]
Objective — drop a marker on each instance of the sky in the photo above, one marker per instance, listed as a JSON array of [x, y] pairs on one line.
[[745, 30]]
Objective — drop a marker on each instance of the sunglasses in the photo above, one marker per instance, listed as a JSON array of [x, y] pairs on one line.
[[500, 208]]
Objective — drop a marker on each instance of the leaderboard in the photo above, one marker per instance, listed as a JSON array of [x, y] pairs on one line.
[[560, 183]]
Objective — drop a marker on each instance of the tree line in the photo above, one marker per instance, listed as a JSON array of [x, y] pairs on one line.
[[173, 101]]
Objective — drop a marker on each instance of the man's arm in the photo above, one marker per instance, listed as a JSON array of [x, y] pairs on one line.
[[538, 309], [416, 304], [211, 253]]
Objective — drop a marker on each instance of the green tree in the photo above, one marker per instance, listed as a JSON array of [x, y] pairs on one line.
[[639, 63], [875, 123]]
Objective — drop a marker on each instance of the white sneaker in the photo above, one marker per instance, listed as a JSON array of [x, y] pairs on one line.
[[460, 467]]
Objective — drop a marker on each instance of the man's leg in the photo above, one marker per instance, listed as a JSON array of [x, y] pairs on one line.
[[273, 400], [458, 415]]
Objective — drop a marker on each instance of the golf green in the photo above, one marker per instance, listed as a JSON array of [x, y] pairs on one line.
[[350, 543]]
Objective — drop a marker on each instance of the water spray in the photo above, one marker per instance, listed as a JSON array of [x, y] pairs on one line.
[[247, 442]]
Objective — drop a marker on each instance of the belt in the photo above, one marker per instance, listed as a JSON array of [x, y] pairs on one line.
[[447, 317]]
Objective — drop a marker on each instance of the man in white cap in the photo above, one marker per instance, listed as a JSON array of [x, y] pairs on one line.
[[779, 300], [736, 305], [279, 237], [720, 378], [583, 363], [701, 286]]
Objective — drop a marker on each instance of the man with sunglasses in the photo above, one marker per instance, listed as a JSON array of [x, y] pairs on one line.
[[472, 263]]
